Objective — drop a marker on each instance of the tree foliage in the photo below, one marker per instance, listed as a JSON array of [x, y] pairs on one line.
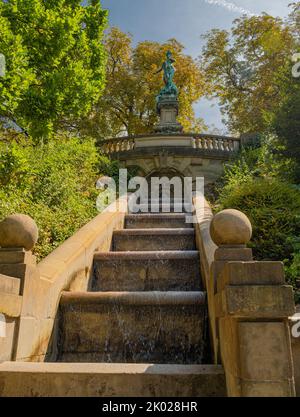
[[54, 183], [55, 62], [286, 118], [243, 67], [128, 103], [294, 20]]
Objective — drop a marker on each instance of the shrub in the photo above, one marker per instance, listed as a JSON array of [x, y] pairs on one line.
[[292, 268], [274, 210], [258, 183], [54, 183]]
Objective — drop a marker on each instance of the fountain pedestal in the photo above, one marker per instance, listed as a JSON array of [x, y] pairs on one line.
[[167, 108]]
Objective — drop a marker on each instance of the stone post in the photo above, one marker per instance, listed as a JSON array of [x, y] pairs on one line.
[[167, 108], [252, 305], [18, 235]]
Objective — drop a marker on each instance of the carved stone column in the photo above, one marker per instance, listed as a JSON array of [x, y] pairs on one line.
[[252, 305], [18, 235]]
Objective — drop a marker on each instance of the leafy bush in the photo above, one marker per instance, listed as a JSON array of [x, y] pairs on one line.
[[256, 184], [293, 268], [264, 161], [54, 183], [274, 210]]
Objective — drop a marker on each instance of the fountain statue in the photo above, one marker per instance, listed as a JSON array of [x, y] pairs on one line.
[[169, 72], [167, 99]]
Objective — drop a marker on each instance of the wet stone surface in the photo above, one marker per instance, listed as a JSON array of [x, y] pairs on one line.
[[145, 304], [118, 333], [154, 240], [147, 275]]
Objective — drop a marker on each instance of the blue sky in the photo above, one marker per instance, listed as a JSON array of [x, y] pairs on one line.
[[186, 20]]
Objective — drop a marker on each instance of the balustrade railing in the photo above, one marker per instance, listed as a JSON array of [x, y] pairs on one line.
[[205, 142], [217, 143], [117, 145]]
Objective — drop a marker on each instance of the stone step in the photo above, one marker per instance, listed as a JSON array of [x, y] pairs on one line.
[[146, 271], [154, 221], [154, 239], [25, 379], [132, 327], [160, 208], [161, 200], [172, 201]]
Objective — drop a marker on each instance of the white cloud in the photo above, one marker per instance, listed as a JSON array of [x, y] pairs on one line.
[[232, 7]]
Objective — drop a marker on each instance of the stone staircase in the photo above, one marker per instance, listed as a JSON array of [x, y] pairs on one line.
[[145, 314], [139, 326]]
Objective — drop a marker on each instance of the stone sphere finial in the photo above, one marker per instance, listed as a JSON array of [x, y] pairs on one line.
[[18, 231], [230, 227]]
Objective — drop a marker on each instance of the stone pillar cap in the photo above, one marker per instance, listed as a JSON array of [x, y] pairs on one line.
[[18, 231], [230, 227]]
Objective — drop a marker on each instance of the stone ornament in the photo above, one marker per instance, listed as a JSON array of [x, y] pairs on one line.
[[230, 227], [167, 67], [167, 100], [18, 231]]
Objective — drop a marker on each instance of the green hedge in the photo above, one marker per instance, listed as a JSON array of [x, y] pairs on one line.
[[257, 184], [54, 183], [274, 210]]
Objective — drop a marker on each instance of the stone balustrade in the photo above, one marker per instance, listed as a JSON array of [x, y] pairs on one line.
[[204, 142], [30, 292], [214, 143], [249, 307], [117, 145]]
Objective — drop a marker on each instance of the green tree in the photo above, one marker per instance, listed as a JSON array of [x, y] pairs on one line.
[[55, 62], [286, 117], [128, 103], [294, 20], [243, 67]]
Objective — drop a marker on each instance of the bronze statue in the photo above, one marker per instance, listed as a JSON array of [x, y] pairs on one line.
[[169, 72]]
